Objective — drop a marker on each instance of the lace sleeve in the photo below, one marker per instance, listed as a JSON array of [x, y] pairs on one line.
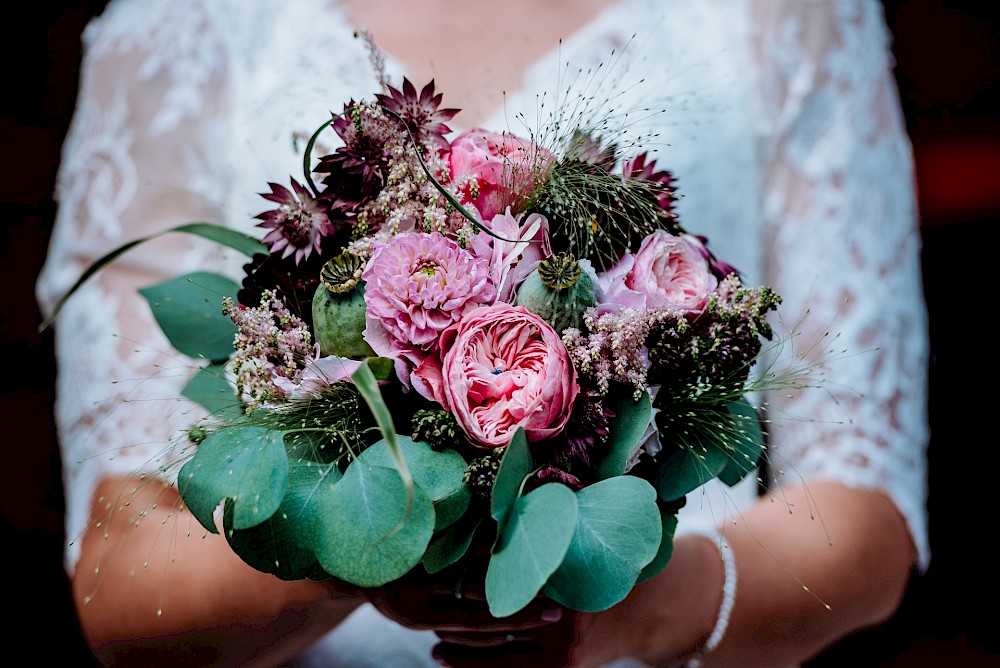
[[146, 151], [842, 244]]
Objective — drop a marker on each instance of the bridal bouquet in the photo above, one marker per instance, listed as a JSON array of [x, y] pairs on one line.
[[482, 346]]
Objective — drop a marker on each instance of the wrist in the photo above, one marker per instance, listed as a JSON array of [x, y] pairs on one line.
[[721, 554]]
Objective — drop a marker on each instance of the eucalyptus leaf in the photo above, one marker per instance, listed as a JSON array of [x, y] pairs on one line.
[[618, 532], [189, 311], [531, 546], [515, 466], [279, 544], [626, 430], [451, 544], [370, 534], [700, 458], [246, 464], [747, 442], [364, 379], [211, 389], [438, 474], [668, 524]]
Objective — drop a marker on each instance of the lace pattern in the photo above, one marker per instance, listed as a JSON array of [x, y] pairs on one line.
[[223, 88]]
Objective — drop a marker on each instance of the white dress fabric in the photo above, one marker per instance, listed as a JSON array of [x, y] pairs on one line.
[[782, 125]]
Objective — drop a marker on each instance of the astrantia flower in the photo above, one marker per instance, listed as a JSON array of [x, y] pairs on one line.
[[417, 284], [297, 226], [358, 169], [420, 113], [665, 189]]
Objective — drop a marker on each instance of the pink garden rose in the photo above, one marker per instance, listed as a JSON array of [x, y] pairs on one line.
[[667, 270], [416, 285], [499, 368], [495, 170]]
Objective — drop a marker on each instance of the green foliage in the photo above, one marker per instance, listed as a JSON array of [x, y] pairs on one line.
[[437, 474], [189, 311], [373, 529], [618, 532], [747, 442], [626, 430], [532, 544], [211, 389], [277, 545], [245, 464]]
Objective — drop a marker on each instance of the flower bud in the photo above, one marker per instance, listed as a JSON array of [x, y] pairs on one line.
[[558, 291], [338, 309]]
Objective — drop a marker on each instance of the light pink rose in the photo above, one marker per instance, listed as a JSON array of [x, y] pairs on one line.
[[495, 170], [667, 270], [499, 368]]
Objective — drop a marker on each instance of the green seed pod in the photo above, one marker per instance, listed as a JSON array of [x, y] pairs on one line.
[[338, 309], [558, 291]]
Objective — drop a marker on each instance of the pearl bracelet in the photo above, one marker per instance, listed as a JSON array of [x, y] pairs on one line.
[[728, 598]]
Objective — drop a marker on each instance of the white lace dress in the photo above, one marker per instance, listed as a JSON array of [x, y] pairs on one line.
[[782, 126]]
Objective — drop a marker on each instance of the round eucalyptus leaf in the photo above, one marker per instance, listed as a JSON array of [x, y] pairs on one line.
[[746, 441], [618, 532], [246, 464], [532, 544], [438, 474], [368, 534], [189, 311]]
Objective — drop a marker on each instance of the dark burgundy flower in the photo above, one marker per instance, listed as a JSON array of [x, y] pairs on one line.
[[297, 226], [662, 181], [420, 113]]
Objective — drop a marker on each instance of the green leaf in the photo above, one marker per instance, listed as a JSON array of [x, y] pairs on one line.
[[364, 379], [244, 463], [617, 533], [438, 474], [668, 524], [451, 544], [279, 545], [222, 235], [626, 431], [700, 459], [189, 311], [515, 466], [211, 389], [369, 533], [747, 442], [531, 546]]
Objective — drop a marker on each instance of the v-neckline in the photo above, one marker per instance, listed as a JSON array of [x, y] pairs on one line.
[[597, 26]]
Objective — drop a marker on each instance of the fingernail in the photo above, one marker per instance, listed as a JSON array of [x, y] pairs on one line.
[[552, 615]]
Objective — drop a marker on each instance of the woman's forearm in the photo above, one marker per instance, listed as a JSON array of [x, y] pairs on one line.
[[814, 563], [153, 587]]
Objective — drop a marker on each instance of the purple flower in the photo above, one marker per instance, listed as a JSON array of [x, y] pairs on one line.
[[297, 226]]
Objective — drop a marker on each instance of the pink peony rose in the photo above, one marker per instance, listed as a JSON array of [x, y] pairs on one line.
[[494, 170], [499, 368], [416, 285], [667, 270]]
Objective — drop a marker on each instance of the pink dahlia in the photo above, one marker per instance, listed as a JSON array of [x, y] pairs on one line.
[[417, 284], [297, 226], [499, 368]]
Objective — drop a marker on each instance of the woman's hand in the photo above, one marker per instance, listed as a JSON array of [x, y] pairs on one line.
[[454, 606]]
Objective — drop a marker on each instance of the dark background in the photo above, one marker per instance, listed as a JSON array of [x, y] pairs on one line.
[[948, 69]]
